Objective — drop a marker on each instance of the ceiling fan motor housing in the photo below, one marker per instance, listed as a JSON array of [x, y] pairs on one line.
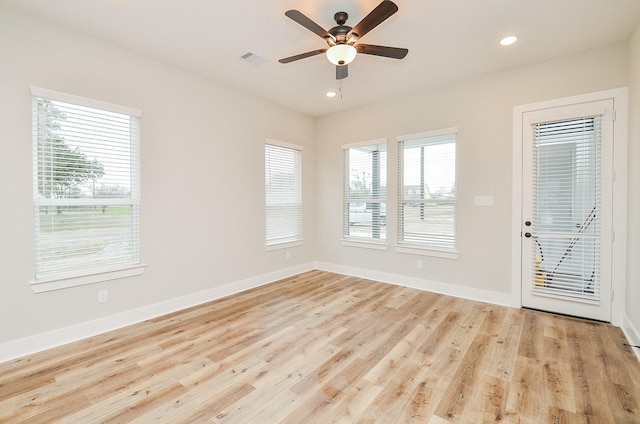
[[339, 33]]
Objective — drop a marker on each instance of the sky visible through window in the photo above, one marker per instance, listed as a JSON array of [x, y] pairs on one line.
[[439, 171], [104, 137], [361, 166]]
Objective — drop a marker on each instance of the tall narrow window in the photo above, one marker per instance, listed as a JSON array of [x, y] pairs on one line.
[[427, 190], [365, 191], [283, 188], [85, 186]]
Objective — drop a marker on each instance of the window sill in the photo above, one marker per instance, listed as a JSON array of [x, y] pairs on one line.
[[365, 244], [284, 245], [62, 282], [426, 251]]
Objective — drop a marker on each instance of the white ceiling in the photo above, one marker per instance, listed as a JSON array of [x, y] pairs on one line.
[[448, 40]]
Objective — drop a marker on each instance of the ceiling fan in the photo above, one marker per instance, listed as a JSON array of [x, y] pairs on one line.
[[343, 39]]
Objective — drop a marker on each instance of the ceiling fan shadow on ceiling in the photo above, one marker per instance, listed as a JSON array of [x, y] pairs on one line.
[[343, 40]]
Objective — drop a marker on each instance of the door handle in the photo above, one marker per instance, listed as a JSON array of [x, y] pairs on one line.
[[529, 235]]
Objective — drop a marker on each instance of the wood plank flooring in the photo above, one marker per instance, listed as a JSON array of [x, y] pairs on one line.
[[326, 348]]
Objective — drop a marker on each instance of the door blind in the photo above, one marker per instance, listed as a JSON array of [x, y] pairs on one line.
[[566, 199]]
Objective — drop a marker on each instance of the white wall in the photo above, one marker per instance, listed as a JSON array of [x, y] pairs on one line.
[[482, 109], [633, 221], [202, 176]]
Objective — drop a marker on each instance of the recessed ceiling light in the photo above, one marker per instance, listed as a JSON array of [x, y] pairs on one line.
[[331, 94], [507, 41]]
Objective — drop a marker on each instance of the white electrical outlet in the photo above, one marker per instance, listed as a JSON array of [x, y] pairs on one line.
[[419, 264], [288, 255], [103, 296]]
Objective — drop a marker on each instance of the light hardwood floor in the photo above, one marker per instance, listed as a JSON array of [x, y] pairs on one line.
[[325, 348]]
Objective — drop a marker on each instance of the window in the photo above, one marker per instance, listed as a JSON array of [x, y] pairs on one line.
[[427, 190], [85, 186], [365, 191], [283, 188]]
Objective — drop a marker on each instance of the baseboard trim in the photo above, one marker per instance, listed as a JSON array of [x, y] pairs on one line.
[[40, 342], [487, 296], [632, 334]]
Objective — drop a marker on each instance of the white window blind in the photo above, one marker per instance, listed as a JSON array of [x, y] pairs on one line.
[[427, 190], [86, 185], [567, 191], [365, 191], [283, 188]]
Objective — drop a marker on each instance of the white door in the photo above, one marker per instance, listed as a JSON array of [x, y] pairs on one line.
[[567, 209]]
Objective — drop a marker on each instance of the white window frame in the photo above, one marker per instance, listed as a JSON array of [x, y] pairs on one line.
[[48, 281], [292, 236], [377, 198], [425, 248]]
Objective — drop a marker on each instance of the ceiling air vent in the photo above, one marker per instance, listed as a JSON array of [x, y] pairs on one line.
[[253, 59]]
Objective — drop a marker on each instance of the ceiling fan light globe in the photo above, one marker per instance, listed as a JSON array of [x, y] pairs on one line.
[[341, 54]]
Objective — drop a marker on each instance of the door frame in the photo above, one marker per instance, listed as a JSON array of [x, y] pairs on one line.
[[619, 191]]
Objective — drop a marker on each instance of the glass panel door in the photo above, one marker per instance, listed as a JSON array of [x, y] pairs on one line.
[[567, 226]]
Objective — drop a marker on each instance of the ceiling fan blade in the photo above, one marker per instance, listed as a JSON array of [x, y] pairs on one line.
[[303, 20], [302, 56], [391, 52], [342, 71], [378, 15]]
